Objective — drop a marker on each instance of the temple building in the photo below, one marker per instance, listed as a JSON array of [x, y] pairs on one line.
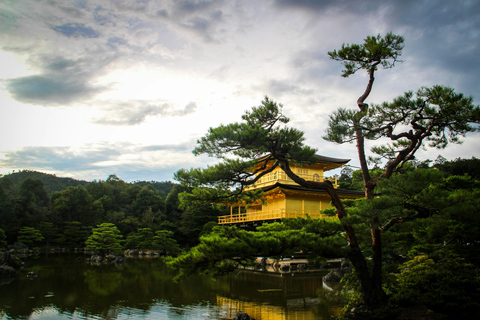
[[283, 198]]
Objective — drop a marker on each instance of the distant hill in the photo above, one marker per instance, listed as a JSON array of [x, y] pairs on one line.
[[163, 188], [52, 182]]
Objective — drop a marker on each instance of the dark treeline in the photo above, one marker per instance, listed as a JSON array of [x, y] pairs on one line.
[[40, 209]]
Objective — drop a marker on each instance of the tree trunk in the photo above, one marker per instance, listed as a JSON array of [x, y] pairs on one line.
[[370, 285]]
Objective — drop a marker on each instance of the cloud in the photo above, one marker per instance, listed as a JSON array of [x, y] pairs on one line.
[[63, 78], [76, 30], [359, 7], [135, 112], [278, 88], [49, 89], [97, 161]]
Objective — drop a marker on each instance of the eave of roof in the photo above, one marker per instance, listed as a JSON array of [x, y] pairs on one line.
[[321, 159], [330, 159], [300, 188]]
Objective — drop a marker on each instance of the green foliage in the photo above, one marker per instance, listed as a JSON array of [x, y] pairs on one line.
[[240, 146], [146, 199], [422, 212], [74, 234], [48, 231], [193, 220], [51, 182], [460, 166], [163, 188], [75, 204], [67, 218], [164, 241], [438, 115], [376, 50], [142, 239], [29, 236], [445, 286], [106, 238], [227, 247]]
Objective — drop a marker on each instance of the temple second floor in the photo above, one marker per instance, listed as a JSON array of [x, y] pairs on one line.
[[285, 201], [283, 198], [313, 172]]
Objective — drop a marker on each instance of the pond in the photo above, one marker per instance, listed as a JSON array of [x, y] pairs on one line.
[[66, 287]]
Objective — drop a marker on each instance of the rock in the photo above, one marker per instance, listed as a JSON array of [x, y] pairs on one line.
[[345, 264], [134, 252], [7, 272], [335, 275], [242, 316], [111, 257], [10, 259], [96, 258]]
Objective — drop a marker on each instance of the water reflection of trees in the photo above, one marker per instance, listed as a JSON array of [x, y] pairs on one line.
[[74, 288], [71, 286], [267, 296]]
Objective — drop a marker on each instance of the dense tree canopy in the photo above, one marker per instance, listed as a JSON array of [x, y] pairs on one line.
[[67, 217]]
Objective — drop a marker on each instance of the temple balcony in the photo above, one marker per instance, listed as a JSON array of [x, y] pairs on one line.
[[268, 215]]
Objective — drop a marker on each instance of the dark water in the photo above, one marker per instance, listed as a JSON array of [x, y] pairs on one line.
[[66, 288]]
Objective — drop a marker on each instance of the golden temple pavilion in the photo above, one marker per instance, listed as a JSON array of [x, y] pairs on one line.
[[283, 198]]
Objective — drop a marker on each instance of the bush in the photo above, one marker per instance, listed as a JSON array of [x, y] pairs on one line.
[[445, 286]]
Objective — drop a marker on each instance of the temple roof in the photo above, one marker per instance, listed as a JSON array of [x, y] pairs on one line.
[[327, 163], [355, 193], [330, 159]]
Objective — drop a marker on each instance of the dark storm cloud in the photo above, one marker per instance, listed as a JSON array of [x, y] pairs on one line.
[[76, 30], [50, 89], [442, 35], [136, 112], [62, 81]]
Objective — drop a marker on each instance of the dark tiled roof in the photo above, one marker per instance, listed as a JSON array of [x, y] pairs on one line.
[[329, 159], [300, 188]]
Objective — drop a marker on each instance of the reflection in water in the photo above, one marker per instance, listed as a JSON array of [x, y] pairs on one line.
[[269, 296], [144, 289], [102, 283]]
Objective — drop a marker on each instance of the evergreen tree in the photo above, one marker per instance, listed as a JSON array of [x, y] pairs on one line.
[[106, 238], [30, 236], [142, 239]]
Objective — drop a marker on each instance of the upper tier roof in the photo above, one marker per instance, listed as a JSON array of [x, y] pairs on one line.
[[327, 163], [330, 159]]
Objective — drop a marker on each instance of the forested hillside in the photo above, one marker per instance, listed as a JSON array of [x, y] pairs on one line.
[[51, 182], [64, 211]]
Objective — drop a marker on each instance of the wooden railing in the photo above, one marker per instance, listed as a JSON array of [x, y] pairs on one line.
[[267, 215], [281, 177]]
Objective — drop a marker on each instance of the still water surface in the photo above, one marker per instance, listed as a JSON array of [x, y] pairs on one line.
[[69, 288]]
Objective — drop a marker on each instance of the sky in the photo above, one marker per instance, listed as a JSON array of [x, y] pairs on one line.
[[94, 88]]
